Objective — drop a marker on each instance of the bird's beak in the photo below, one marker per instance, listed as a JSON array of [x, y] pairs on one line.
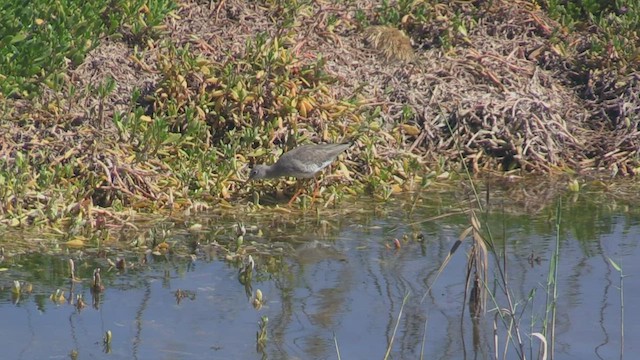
[[249, 176]]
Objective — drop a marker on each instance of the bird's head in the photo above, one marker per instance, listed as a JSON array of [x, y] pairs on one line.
[[258, 172]]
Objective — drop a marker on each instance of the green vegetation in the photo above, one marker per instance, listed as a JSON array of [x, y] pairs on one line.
[[430, 23], [611, 30], [189, 96], [40, 41], [172, 123]]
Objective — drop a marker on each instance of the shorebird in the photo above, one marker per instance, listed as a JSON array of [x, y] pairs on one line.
[[303, 162]]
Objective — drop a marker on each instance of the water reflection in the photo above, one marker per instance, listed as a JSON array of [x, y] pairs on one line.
[[336, 276]]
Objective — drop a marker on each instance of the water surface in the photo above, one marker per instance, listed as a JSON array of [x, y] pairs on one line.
[[336, 277]]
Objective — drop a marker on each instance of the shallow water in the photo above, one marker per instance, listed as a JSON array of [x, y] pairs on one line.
[[339, 280]]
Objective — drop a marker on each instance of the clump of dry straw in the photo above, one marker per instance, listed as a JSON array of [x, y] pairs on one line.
[[394, 44]]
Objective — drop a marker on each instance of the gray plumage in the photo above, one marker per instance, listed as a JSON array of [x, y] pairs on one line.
[[302, 162]]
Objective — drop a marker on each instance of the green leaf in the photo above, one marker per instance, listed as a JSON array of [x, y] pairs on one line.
[[21, 36]]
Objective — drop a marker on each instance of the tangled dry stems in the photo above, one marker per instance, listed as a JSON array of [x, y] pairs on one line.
[[504, 96]]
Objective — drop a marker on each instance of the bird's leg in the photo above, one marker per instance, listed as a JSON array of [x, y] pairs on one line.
[[315, 190], [298, 192]]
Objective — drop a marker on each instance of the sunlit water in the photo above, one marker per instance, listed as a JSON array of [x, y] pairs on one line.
[[338, 287]]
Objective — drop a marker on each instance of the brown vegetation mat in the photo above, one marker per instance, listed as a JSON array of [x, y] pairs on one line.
[[503, 97], [505, 90]]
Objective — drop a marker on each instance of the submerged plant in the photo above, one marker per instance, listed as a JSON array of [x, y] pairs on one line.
[[261, 334]]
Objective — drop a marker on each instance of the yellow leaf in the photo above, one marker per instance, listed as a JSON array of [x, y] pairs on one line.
[[74, 243], [201, 114], [411, 130], [574, 186], [281, 210]]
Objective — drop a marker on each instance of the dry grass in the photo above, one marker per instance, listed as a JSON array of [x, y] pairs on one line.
[[502, 94], [393, 44]]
